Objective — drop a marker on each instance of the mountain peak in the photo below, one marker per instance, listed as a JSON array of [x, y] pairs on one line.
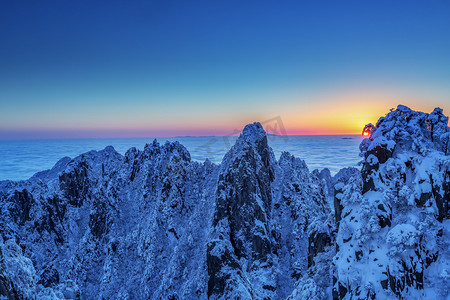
[[254, 132]]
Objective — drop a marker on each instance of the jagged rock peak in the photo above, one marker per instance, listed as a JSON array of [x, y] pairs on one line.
[[253, 132], [394, 224], [252, 141], [405, 128], [168, 148]]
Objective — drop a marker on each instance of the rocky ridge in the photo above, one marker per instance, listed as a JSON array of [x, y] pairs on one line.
[[152, 224]]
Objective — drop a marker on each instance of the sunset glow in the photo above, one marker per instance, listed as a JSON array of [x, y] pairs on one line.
[[164, 75]]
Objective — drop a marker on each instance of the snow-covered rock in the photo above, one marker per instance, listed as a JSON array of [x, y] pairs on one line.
[[152, 224], [393, 239]]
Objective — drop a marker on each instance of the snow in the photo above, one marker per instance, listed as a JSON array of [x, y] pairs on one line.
[[398, 210], [155, 224], [403, 234]]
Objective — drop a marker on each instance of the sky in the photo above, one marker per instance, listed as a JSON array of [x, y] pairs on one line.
[[77, 69]]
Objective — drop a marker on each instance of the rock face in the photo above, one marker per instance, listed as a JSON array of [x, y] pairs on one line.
[[258, 246], [240, 239], [152, 224]]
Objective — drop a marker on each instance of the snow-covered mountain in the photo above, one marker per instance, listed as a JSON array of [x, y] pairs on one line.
[[394, 233], [153, 224]]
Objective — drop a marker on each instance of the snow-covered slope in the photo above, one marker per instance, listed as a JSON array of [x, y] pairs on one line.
[[394, 233], [153, 224]]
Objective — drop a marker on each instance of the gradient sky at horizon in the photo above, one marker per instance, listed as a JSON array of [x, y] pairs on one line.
[[74, 69]]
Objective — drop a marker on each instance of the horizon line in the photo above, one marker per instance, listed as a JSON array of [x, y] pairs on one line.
[[171, 137]]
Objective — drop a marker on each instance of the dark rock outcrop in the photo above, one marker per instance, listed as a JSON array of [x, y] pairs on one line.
[[241, 218]]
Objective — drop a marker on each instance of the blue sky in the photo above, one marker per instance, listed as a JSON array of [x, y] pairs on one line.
[[161, 68]]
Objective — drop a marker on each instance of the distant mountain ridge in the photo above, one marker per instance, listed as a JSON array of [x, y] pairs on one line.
[[153, 224]]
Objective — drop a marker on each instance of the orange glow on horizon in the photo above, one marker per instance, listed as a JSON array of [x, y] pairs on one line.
[[341, 112], [328, 114]]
